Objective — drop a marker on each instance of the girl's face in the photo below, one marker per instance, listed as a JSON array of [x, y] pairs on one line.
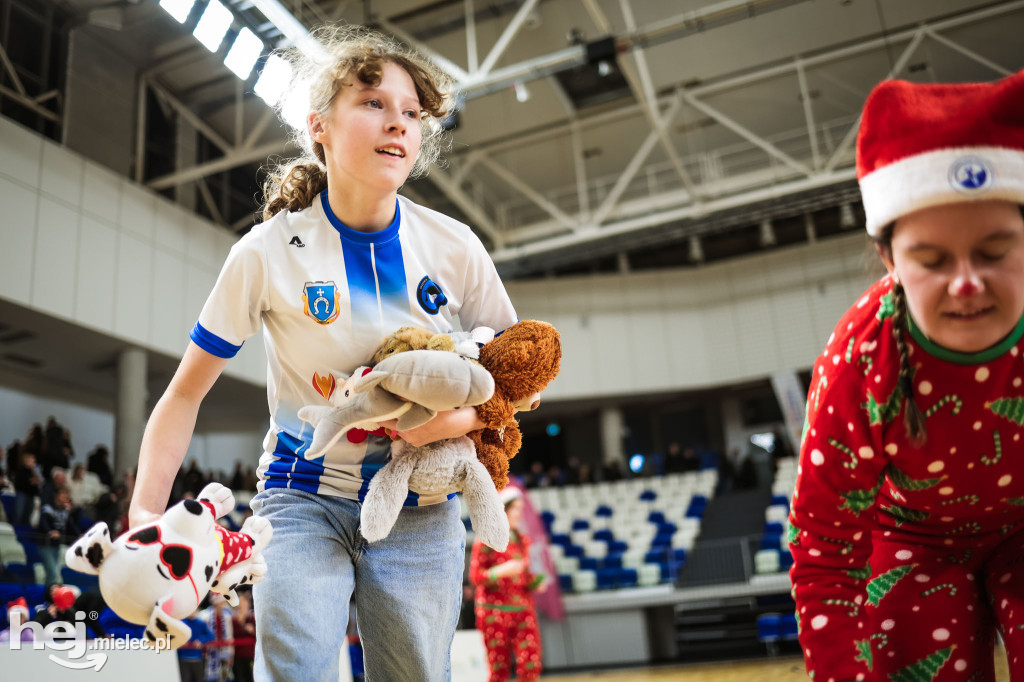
[[371, 134], [962, 268], [515, 512]]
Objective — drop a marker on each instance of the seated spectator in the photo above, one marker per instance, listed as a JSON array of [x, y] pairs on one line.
[[27, 481], [16, 610], [243, 625], [57, 526], [58, 479], [99, 465], [56, 450], [612, 471]]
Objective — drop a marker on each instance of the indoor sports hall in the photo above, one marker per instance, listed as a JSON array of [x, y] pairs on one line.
[[672, 184]]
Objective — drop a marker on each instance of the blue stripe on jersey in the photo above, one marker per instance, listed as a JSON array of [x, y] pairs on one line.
[[211, 343], [373, 260], [290, 469]]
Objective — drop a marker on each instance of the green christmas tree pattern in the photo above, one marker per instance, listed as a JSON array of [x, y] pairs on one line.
[[883, 584], [905, 514], [794, 534], [859, 500], [925, 670], [864, 653], [901, 480], [1011, 408], [880, 413], [862, 573], [886, 307]]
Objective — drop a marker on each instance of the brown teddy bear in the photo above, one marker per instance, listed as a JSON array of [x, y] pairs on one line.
[[523, 360]]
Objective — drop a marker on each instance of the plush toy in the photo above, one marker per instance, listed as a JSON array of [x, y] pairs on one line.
[[157, 574], [413, 386], [523, 360]]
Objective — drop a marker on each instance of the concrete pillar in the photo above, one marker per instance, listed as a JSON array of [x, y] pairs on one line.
[[613, 429], [130, 418]]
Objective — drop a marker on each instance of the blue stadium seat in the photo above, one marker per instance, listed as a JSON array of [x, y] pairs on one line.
[[588, 563], [771, 541], [768, 627], [656, 517], [573, 550], [787, 626], [785, 560], [9, 505], [81, 580], [667, 527], [8, 593], [603, 511], [607, 578], [774, 528], [35, 594], [565, 582], [581, 524], [618, 546], [612, 561], [22, 573], [679, 555], [669, 571], [648, 496], [655, 556], [627, 577], [779, 499], [698, 503], [547, 518], [562, 539], [661, 540], [604, 534]]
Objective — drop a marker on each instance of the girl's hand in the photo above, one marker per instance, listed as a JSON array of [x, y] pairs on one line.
[[449, 424]]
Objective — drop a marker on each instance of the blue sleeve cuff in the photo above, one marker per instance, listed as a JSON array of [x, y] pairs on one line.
[[213, 344]]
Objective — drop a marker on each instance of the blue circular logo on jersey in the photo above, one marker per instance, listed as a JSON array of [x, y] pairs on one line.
[[430, 296], [970, 174]]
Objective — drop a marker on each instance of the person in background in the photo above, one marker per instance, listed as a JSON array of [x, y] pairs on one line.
[[504, 600], [243, 625], [99, 465], [57, 526], [906, 526], [190, 654], [27, 481], [220, 653]]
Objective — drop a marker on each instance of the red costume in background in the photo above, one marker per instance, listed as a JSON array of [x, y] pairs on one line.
[[504, 610]]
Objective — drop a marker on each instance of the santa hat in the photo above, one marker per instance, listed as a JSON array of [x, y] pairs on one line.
[[927, 145], [509, 493], [18, 604]]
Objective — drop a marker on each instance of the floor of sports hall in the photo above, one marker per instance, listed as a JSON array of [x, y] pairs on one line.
[[780, 669]]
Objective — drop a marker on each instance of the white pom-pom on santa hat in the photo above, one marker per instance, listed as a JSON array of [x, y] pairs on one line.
[[509, 493], [923, 145]]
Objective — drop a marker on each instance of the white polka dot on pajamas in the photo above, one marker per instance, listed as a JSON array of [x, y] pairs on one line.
[[818, 622], [817, 457], [940, 634], [904, 554], [888, 624], [936, 466], [924, 388], [981, 374]]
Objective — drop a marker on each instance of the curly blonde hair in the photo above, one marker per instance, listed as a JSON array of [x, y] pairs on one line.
[[362, 52]]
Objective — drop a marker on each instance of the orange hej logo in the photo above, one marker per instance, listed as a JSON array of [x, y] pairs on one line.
[[324, 385]]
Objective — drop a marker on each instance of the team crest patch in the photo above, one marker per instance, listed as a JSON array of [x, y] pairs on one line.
[[430, 296], [320, 301], [324, 385], [970, 174]]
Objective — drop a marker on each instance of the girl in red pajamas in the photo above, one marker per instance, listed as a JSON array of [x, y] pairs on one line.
[[907, 523], [504, 603]]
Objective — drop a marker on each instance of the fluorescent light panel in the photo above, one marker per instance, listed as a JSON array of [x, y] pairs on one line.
[[179, 9], [273, 79], [213, 25], [244, 53]]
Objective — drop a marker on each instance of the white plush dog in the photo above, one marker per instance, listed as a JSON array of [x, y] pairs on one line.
[[157, 574]]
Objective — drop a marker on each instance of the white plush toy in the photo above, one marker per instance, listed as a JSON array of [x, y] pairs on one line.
[[157, 574], [412, 386]]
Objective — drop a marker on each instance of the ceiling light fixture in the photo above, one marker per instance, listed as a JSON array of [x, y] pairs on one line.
[[213, 25]]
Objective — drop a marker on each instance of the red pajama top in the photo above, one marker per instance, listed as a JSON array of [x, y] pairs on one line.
[[508, 593], [858, 472]]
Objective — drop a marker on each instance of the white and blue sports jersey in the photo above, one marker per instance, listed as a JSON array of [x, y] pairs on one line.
[[326, 296]]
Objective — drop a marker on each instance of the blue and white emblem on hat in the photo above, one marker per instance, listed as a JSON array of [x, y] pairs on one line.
[[970, 174], [320, 301]]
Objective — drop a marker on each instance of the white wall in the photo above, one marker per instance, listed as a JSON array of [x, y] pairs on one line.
[[91, 247], [688, 328], [89, 427]]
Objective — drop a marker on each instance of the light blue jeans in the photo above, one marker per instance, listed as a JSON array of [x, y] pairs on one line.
[[407, 589]]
